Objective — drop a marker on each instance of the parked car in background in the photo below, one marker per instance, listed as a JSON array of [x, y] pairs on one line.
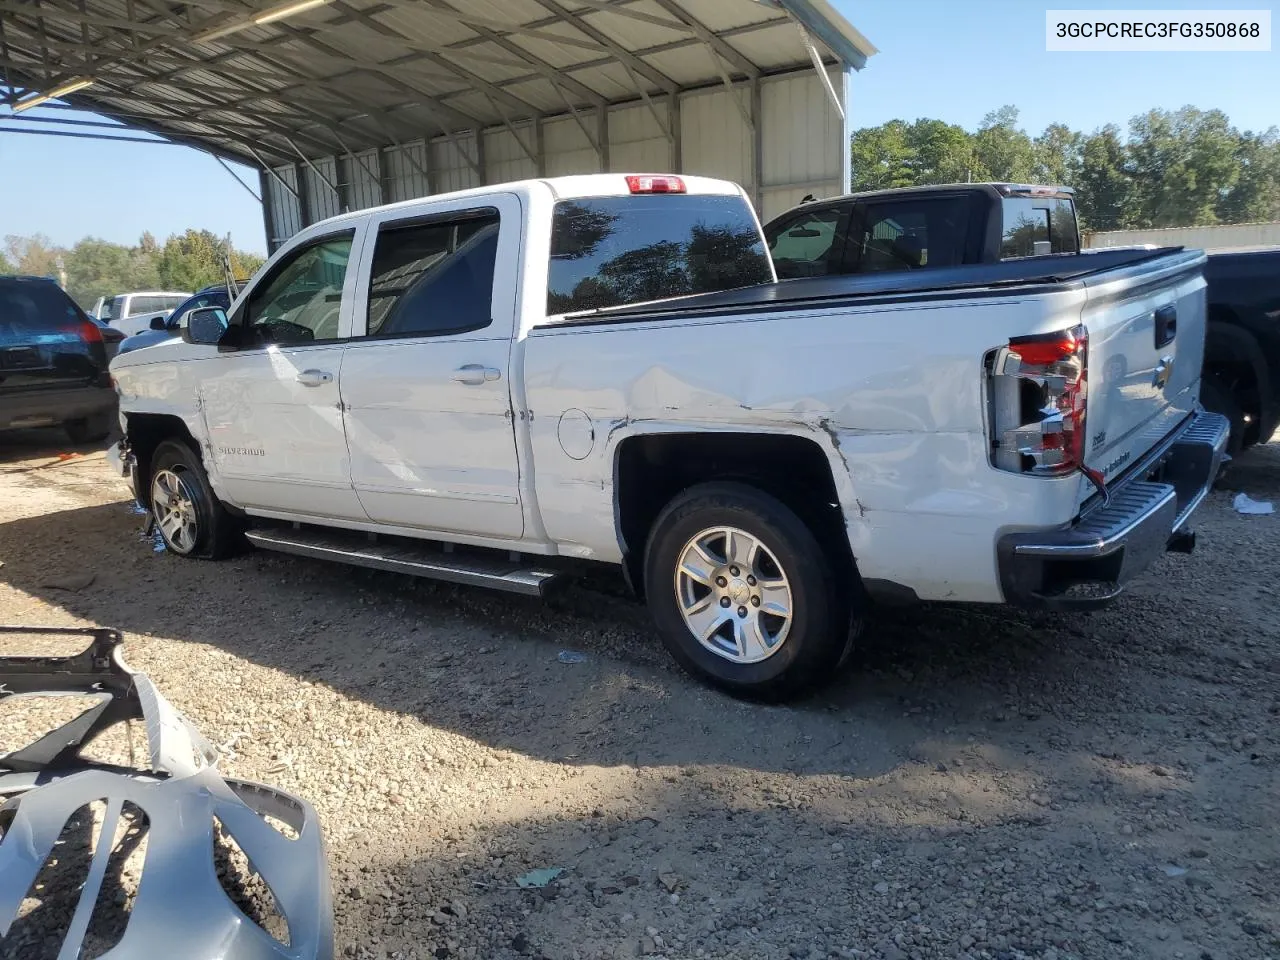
[[486, 386], [167, 327], [916, 228], [131, 312], [53, 362], [1242, 352]]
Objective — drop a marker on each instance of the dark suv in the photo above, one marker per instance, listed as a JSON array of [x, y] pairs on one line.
[[53, 363]]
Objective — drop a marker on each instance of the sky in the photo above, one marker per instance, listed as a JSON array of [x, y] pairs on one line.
[[953, 60]]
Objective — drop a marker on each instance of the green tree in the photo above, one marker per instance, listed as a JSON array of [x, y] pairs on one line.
[[940, 152], [96, 268], [245, 265], [190, 260], [5, 265], [1001, 150], [1256, 194], [882, 158], [1058, 155], [1103, 184], [1182, 163], [35, 255]]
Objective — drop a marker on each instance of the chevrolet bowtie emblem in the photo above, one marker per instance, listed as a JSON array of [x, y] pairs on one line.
[[1164, 370]]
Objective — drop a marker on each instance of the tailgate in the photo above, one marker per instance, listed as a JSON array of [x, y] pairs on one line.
[[1146, 327]]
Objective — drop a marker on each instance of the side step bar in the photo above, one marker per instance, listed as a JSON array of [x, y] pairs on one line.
[[400, 557]]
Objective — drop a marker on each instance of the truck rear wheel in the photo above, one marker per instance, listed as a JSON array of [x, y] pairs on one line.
[[1218, 397], [191, 519], [743, 594]]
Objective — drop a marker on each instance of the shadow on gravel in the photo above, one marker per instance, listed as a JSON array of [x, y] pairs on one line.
[[462, 659], [741, 883]]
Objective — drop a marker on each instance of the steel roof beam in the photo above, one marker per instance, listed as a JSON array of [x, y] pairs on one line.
[[722, 48], [554, 75], [667, 47], [90, 19], [256, 94], [477, 80], [142, 78], [624, 57]]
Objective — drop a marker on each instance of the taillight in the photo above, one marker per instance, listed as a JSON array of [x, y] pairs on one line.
[[1038, 390], [654, 183], [88, 331]]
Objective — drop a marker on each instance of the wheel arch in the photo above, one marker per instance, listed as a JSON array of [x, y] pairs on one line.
[[145, 432], [652, 466], [1233, 355]]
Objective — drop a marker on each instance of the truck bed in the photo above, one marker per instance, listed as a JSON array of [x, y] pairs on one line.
[[1041, 272]]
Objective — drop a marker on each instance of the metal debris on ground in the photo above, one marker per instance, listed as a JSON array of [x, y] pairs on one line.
[[536, 879], [192, 905], [1247, 505], [571, 656]]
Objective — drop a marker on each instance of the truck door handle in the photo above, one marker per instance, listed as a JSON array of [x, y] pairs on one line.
[[1166, 325], [474, 374], [314, 378]]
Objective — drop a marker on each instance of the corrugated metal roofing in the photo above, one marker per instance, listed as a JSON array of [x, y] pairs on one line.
[[350, 75]]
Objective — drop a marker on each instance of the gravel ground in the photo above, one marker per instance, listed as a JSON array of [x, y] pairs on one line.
[[982, 784]]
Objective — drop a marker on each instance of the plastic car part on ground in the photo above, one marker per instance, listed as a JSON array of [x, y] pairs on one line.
[[180, 908]]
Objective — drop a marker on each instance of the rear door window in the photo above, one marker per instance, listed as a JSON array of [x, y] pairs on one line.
[[1035, 226], [613, 251], [435, 278], [806, 246], [149, 305], [907, 235]]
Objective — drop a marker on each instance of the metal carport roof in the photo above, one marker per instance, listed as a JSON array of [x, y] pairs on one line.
[[266, 84]]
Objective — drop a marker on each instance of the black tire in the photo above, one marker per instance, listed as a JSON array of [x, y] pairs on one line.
[[217, 534], [1217, 398], [819, 632], [92, 429]]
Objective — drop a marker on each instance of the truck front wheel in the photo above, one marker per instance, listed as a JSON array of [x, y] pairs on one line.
[[743, 594], [190, 518]]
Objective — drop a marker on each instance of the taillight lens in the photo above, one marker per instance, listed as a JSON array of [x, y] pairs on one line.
[[88, 331], [1039, 389]]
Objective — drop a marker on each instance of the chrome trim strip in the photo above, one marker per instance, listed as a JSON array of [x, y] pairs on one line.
[[470, 572]]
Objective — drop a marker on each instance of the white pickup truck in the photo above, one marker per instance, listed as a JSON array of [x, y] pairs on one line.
[[488, 386]]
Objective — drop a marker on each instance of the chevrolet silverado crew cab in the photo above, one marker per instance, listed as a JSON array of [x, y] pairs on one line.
[[489, 386]]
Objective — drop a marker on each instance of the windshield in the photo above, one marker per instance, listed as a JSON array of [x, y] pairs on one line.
[[612, 251]]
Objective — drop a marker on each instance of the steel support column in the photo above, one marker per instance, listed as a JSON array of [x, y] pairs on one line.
[[304, 196], [757, 146], [846, 135], [264, 184]]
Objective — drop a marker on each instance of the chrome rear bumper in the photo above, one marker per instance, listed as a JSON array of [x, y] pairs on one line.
[[1088, 562]]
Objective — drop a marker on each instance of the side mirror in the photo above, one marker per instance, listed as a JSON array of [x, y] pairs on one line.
[[205, 326], [158, 323]]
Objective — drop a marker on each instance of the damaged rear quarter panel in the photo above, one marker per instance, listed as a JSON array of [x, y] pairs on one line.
[[892, 394]]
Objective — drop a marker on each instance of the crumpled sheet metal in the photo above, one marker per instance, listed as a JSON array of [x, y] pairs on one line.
[[180, 909]]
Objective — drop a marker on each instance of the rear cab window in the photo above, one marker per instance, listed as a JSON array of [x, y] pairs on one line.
[[1036, 226], [616, 251], [907, 234]]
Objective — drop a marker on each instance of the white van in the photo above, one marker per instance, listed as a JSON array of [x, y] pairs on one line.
[[132, 312]]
